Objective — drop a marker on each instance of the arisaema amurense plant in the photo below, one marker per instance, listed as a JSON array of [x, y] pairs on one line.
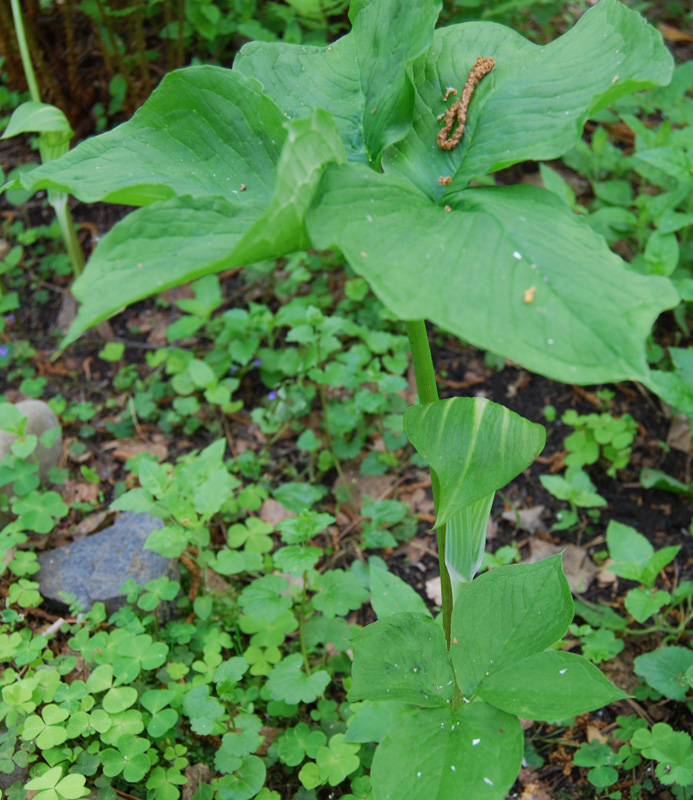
[[370, 146]]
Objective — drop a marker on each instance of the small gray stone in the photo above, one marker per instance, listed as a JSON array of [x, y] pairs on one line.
[[18, 776], [40, 418], [93, 569], [8, 743]]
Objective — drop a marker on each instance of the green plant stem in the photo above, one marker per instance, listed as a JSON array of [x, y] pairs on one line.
[[24, 52], [423, 362], [428, 393], [326, 418], [301, 625], [67, 228], [58, 200]]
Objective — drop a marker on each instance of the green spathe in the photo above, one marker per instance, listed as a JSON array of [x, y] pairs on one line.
[[475, 447]]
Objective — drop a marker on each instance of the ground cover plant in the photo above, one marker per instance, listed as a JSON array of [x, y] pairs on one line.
[[387, 189]]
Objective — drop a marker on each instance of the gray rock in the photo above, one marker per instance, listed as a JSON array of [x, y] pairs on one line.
[[93, 569], [8, 746], [40, 418], [18, 776]]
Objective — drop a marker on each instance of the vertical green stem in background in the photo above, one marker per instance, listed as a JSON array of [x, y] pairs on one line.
[[24, 52], [58, 200], [67, 228], [428, 393], [302, 624], [326, 419]]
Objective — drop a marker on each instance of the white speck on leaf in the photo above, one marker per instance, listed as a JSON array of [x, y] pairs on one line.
[[488, 781], [562, 671], [518, 255], [475, 742]]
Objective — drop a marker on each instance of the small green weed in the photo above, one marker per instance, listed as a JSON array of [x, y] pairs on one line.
[[599, 436]]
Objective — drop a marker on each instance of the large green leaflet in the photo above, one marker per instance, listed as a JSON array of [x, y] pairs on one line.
[[536, 100], [203, 132], [209, 222], [399, 660], [363, 79], [440, 754], [506, 615], [511, 269], [474, 446], [453, 746], [569, 685]]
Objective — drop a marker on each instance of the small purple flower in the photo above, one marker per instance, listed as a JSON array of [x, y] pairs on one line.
[[257, 362], [233, 369], [4, 350], [10, 318], [272, 395]]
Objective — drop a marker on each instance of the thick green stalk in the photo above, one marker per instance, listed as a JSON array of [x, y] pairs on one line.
[[67, 228], [326, 420], [428, 393], [24, 52], [49, 150], [302, 625]]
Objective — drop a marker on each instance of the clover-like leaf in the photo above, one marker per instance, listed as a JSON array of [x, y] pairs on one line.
[[337, 760], [263, 598], [298, 742], [203, 711], [51, 785], [339, 592], [665, 670], [288, 681]]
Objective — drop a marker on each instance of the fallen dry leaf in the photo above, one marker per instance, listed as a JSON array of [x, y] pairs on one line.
[[679, 434], [79, 492], [672, 34], [157, 335], [418, 500], [593, 732], [535, 791], [92, 523], [67, 313], [579, 568], [358, 486], [215, 583], [605, 576], [434, 591], [528, 519], [195, 774], [273, 512], [124, 449]]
